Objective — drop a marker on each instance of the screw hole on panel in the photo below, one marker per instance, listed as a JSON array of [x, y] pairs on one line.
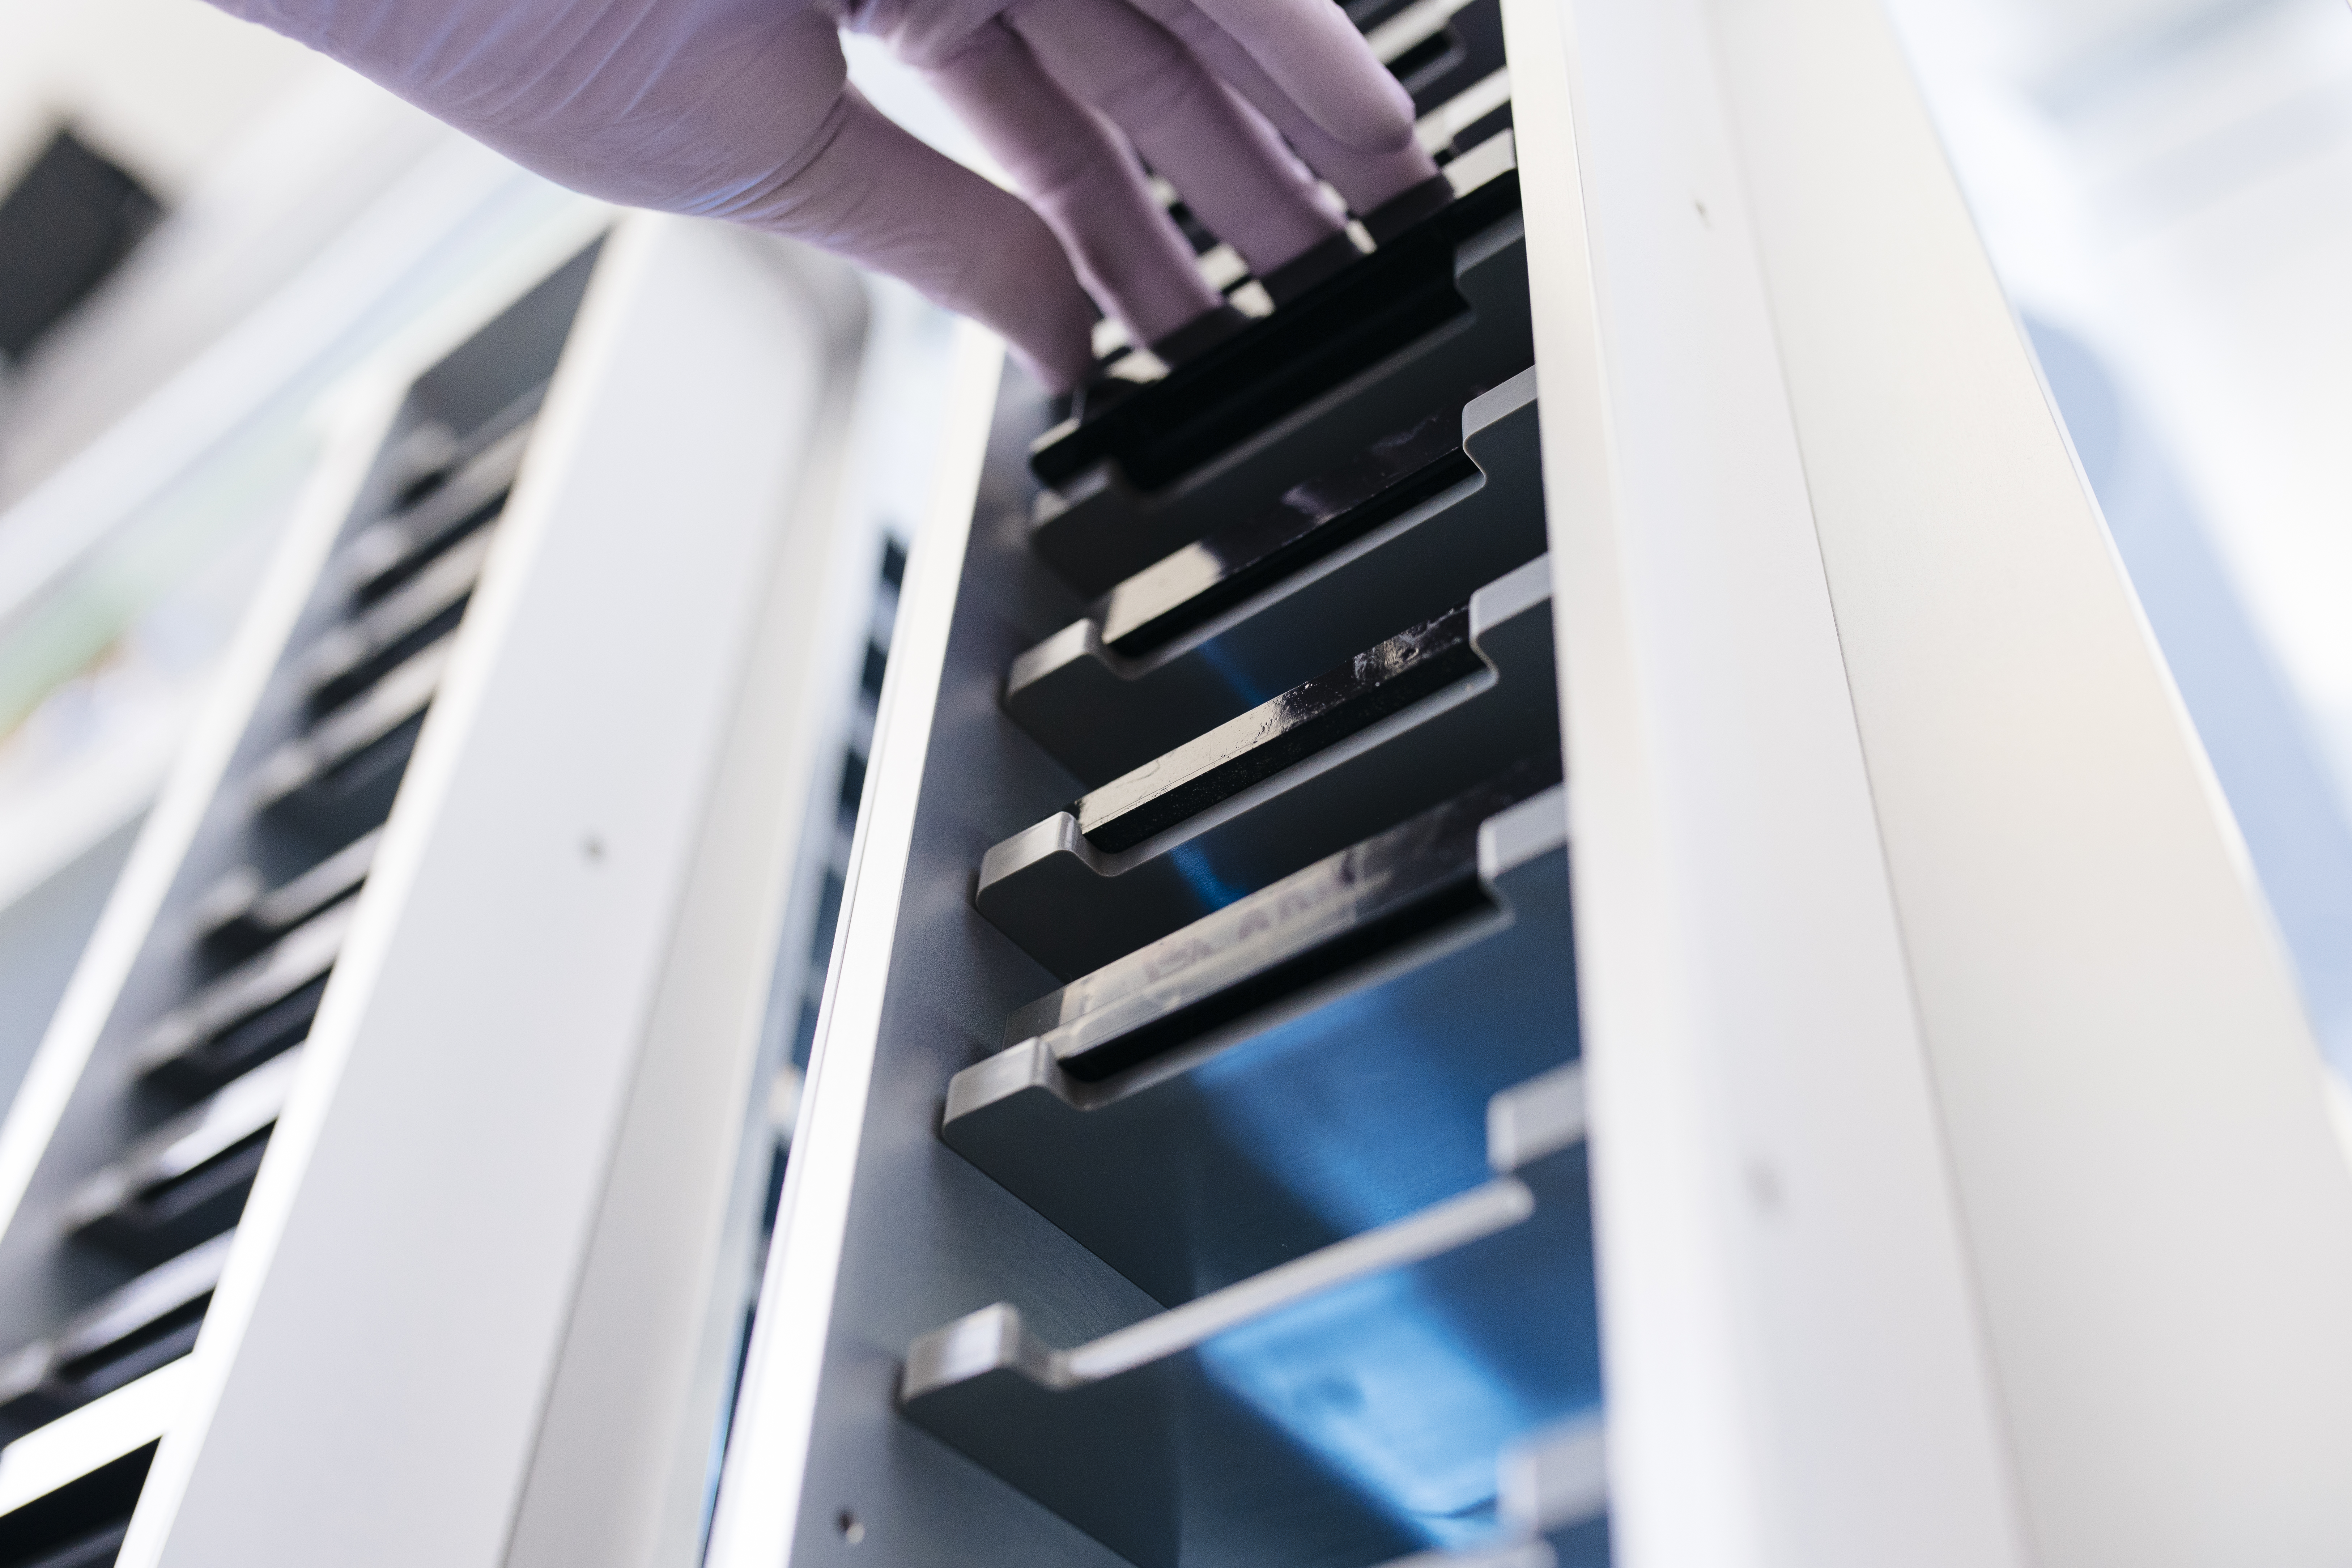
[[853, 1528]]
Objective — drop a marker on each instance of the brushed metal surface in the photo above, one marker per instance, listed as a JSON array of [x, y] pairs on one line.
[[1336, 1411]]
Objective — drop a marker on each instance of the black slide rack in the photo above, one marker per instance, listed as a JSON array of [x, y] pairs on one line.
[[1221, 1195]]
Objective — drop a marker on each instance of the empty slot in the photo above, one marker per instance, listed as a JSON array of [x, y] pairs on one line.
[[260, 1008], [1349, 1405], [1369, 14], [383, 555], [122, 1337], [1342, 563], [180, 1210], [1471, 51], [1301, 1065], [1429, 60], [1393, 29], [163, 1338], [25, 1398], [348, 658], [186, 1181], [1473, 138], [244, 1044], [434, 454], [348, 763], [1247, 820], [1422, 324], [420, 460], [1555, 1485], [240, 914]]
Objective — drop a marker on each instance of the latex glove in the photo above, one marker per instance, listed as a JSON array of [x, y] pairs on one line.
[[740, 110], [1022, 74]]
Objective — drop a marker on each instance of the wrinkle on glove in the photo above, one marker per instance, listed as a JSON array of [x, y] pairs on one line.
[[1365, 180], [726, 109], [1318, 59], [1226, 161], [740, 110], [1081, 181]]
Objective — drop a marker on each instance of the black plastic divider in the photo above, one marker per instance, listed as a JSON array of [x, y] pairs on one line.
[[1437, 315]]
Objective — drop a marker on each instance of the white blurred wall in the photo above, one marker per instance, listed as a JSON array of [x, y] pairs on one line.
[[2175, 176], [2166, 186], [260, 151], [158, 85]]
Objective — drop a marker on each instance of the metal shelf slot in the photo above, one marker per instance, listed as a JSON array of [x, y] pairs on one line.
[[1341, 1407]]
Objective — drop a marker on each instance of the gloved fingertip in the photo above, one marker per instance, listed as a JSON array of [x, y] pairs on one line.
[[1053, 361], [1315, 54], [1379, 119]]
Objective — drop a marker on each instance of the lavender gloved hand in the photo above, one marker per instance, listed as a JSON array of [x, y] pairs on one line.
[[740, 110]]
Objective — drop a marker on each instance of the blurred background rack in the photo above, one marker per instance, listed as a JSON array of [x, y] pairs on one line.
[[124, 1224]]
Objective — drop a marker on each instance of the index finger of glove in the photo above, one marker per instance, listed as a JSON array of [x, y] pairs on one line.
[[1315, 56], [1081, 180], [1365, 181]]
